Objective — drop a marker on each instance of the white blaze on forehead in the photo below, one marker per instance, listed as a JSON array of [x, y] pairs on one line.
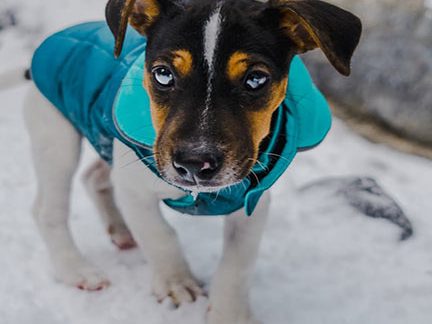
[[211, 36]]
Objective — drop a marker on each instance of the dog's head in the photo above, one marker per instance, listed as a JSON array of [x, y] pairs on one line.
[[217, 70]]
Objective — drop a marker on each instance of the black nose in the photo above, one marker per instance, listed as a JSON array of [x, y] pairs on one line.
[[193, 166]]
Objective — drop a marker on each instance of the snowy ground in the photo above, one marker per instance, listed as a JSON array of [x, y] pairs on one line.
[[320, 262]]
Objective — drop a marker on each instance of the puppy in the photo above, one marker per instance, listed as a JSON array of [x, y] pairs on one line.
[[213, 101]]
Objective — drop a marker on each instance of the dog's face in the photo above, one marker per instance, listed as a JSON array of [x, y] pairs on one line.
[[216, 71]]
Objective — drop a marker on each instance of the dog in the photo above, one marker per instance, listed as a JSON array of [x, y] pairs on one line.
[[213, 98]]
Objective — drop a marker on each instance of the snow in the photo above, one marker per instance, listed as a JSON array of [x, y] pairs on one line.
[[320, 261]]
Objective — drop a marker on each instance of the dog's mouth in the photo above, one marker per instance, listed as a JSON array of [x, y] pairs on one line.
[[205, 187], [204, 176]]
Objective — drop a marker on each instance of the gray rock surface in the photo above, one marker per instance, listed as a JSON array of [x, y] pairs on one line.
[[363, 194], [392, 69], [7, 18]]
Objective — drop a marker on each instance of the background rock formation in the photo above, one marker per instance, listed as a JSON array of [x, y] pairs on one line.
[[391, 81]]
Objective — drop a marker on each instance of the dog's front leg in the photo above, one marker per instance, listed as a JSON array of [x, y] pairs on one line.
[[229, 302], [138, 194]]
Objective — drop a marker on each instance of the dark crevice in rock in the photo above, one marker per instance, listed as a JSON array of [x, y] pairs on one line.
[[8, 18]]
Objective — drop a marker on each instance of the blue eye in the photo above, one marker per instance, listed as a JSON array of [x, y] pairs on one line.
[[163, 76], [256, 80]]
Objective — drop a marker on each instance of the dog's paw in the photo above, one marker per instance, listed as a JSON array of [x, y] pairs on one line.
[[84, 277], [181, 288], [121, 237]]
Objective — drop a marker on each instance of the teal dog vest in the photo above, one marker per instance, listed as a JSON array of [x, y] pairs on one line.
[[104, 99]]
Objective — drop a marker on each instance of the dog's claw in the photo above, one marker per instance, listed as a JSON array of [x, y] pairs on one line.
[[124, 245], [82, 276], [179, 290], [93, 287], [122, 238]]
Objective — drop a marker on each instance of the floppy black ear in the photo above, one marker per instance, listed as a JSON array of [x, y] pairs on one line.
[[117, 14], [141, 14], [313, 23]]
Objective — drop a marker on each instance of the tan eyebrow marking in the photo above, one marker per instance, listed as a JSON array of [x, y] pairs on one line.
[[183, 62], [237, 65]]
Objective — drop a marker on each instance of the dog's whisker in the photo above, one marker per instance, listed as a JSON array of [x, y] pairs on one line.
[[148, 156], [126, 153], [265, 168], [244, 185], [256, 177], [129, 163], [140, 160], [278, 156], [217, 195]]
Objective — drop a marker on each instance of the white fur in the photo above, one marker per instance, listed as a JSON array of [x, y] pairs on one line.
[[211, 36], [56, 151]]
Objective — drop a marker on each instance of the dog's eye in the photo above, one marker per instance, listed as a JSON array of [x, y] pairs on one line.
[[163, 76], [256, 80]]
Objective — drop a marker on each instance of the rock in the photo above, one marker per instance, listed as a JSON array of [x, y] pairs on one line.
[[363, 194], [368, 197], [7, 15], [391, 78], [7, 18]]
